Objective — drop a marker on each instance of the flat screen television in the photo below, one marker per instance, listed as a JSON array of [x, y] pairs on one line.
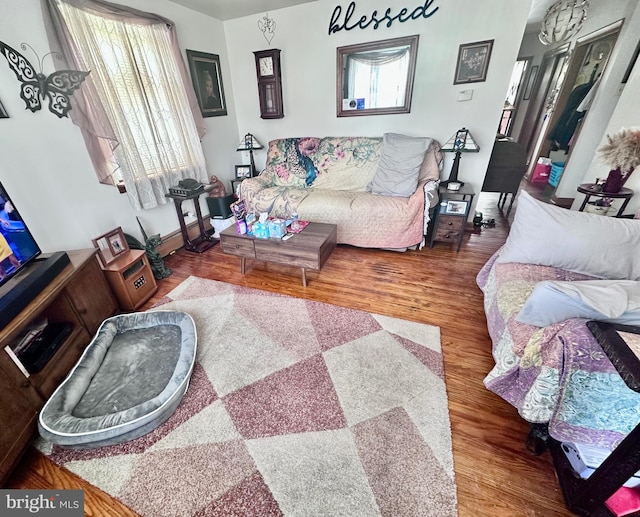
[[17, 246]]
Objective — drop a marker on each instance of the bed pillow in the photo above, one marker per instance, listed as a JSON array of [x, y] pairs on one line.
[[399, 165], [604, 247], [604, 300]]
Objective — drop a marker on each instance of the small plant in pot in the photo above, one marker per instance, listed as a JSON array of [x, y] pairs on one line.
[[622, 154]]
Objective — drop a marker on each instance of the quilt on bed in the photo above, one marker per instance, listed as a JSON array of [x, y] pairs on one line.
[[556, 374]]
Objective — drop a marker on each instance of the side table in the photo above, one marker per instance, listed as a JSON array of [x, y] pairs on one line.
[[621, 343], [204, 240], [452, 214], [591, 189]]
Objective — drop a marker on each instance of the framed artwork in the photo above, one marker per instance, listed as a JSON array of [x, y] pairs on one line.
[[456, 207], [111, 245], [473, 62], [207, 82], [243, 171], [3, 112], [531, 81]]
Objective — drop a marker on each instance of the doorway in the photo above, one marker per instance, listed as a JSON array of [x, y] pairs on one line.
[[567, 78]]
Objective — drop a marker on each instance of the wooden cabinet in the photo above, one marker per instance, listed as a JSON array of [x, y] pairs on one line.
[[131, 279], [79, 296]]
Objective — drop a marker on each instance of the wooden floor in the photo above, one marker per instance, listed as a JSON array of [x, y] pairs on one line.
[[495, 474]]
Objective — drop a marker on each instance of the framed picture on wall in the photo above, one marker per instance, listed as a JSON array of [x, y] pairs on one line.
[[207, 82], [531, 81], [473, 62]]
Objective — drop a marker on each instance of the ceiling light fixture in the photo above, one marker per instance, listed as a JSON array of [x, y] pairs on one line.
[[562, 21]]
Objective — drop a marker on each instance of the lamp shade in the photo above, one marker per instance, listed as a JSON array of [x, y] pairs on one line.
[[461, 142], [249, 143]]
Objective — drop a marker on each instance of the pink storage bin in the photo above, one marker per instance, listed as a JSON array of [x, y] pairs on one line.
[[541, 173]]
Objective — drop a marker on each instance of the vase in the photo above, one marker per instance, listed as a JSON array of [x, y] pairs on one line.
[[614, 181]]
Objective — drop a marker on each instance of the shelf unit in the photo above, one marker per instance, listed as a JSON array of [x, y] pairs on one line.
[[79, 295]]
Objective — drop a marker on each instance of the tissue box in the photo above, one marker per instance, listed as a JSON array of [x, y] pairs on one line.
[[277, 228], [260, 230]]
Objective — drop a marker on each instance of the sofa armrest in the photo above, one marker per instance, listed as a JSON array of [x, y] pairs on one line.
[[251, 186]]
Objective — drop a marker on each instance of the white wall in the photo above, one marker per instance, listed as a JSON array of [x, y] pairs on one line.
[[45, 166], [626, 114], [581, 167], [309, 76]]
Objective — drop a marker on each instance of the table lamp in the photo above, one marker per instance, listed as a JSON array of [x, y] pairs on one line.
[[249, 143], [461, 142]]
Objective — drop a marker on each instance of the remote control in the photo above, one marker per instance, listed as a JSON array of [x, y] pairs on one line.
[[287, 236]]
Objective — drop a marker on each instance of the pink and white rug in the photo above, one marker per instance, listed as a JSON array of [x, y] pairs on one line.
[[294, 408]]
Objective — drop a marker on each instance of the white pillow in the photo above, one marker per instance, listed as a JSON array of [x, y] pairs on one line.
[[592, 244], [399, 165], [605, 300]]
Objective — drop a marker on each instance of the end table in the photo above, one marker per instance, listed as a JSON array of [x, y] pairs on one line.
[[205, 240], [591, 189], [451, 215]]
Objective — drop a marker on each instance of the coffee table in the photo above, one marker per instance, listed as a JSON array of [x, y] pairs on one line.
[[308, 249]]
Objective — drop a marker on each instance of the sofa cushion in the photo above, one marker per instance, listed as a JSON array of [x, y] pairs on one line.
[[347, 163], [290, 161], [592, 244], [399, 165], [614, 301]]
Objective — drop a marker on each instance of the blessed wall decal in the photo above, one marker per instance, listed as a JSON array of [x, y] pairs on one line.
[[335, 25]]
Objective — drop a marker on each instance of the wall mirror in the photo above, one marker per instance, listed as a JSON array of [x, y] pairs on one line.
[[376, 78]]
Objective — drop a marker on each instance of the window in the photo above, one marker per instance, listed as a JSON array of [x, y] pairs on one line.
[[138, 85]]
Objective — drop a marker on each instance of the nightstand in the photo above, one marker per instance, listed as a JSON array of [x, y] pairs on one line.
[[451, 215]]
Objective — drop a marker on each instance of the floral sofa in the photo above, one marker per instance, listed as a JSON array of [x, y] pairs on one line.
[[557, 270], [378, 191]]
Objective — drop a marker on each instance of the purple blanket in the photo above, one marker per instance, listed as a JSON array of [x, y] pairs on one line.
[[556, 374]]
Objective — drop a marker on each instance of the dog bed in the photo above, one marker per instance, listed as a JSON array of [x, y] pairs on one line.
[[129, 380]]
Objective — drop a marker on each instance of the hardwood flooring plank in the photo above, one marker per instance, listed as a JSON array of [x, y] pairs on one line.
[[495, 474]]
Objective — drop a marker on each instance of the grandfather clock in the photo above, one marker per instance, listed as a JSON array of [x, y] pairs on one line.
[[269, 83]]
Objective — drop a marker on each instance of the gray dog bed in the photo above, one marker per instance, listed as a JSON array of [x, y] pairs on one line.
[[129, 380]]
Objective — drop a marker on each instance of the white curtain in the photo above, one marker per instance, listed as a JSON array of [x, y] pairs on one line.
[[140, 87]]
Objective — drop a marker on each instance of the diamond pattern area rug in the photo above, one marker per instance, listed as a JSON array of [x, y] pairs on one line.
[[294, 408]]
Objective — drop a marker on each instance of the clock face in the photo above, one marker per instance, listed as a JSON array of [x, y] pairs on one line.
[[266, 65]]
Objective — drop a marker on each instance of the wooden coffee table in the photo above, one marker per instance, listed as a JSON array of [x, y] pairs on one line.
[[308, 249]]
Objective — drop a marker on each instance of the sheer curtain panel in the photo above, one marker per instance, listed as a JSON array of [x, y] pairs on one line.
[[138, 112]]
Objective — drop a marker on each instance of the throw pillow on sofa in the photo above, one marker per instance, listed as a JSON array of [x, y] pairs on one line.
[[399, 165], [613, 301], [604, 247]]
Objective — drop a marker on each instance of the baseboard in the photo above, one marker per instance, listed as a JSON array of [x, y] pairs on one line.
[[173, 241]]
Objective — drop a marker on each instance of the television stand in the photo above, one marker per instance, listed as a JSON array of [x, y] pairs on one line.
[[80, 296]]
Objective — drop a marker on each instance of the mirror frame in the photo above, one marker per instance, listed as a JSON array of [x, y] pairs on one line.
[[411, 41]]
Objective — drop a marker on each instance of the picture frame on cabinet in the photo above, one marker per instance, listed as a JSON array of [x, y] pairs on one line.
[[206, 76], [110, 245], [243, 171], [456, 207]]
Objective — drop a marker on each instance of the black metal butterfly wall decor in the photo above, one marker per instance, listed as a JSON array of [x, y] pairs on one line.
[[57, 87]]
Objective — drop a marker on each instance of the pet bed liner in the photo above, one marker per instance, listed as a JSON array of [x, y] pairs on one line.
[[129, 380]]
